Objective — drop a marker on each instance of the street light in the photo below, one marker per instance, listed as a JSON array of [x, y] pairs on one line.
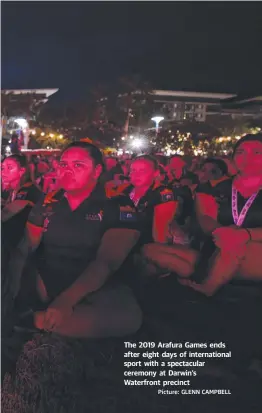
[[157, 120]]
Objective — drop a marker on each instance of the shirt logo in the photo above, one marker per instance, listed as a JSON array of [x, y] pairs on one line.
[[128, 216], [167, 196], [21, 195], [127, 213], [94, 217]]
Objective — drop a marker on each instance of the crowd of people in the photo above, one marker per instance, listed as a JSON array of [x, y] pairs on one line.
[[76, 229]]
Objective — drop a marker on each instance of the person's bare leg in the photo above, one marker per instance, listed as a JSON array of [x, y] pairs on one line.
[[251, 265], [223, 268], [111, 313], [244, 264], [248, 265]]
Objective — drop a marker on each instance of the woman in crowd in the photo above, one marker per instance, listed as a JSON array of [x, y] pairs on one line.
[[20, 196], [81, 239], [155, 203], [230, 214]]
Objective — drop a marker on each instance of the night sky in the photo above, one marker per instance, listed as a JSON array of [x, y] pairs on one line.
[[206, 46]]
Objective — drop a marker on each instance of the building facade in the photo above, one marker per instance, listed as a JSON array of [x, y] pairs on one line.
[[201, 107], [18, 106], [180, 105]]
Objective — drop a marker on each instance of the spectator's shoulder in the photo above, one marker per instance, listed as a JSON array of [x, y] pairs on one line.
[[214, 187], [29, 192], [223, 183], [43, 207], [112, 190]]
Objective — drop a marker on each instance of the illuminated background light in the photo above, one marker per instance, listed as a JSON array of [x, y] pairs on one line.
[[137, 143], [157, 119], [22, 123]]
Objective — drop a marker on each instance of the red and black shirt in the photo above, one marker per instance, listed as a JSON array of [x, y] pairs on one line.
[[156, 195]]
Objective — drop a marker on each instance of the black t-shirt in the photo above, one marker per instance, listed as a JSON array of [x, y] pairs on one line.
[[222, 193], [156, 195], [13, 229], [71, 239]]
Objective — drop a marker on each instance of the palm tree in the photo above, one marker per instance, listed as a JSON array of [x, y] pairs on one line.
[[126, 103], [136, 100]]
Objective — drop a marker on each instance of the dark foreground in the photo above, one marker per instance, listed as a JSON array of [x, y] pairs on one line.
[[63, 376]]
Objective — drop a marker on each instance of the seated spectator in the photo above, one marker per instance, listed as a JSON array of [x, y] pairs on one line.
[[185, 227], [51, 182], [230, 215], [182, 182], [155, 203], [213, 169], [20, 196], [179, 173], [81, 239], [231, 167], [38, 171], [112, 168]]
